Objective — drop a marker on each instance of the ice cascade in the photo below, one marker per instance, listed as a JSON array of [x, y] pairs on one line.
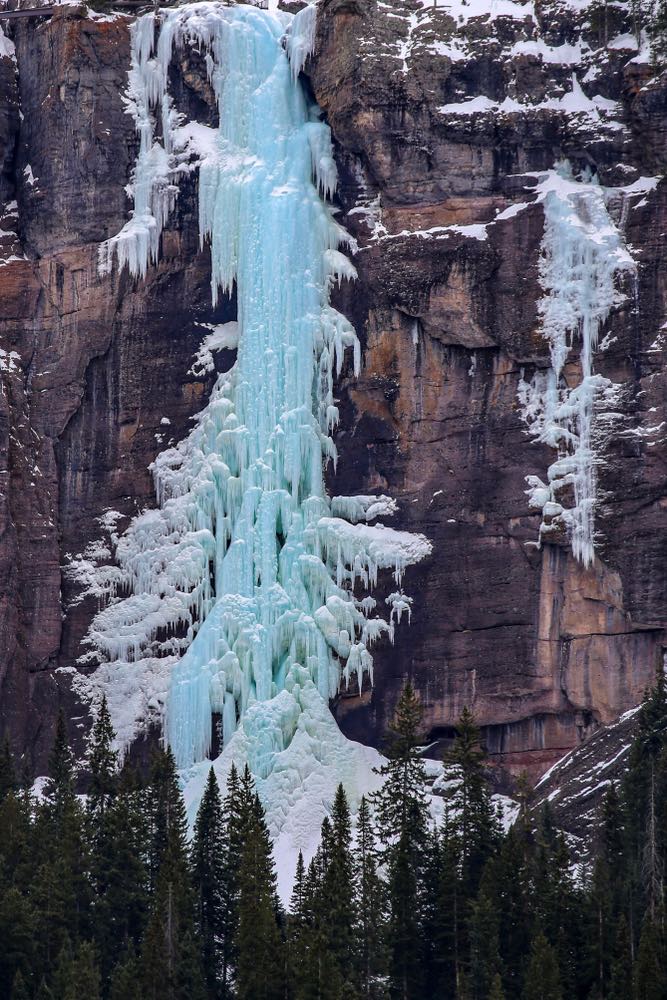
[[241, 583], [582, 253]]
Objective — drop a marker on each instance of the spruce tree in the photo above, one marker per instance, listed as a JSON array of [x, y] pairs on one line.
[[208, 873], [20, 990], [77, 974], [470, 802], [120, 874], [542, 980], [620, 985], [650, 972], [401, 813], [59, 789], [259, 947], [298, 929], [484, 945], [126, 978], [170, 960], [371, 910], [497, 992], [17, 938], [337, 902], [237, 810], [445, 912], [8, 782], [61, 888], [165, 812], [102, 763]]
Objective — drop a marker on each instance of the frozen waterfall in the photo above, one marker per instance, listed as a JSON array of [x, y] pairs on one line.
[[247, 566], [582, 252]]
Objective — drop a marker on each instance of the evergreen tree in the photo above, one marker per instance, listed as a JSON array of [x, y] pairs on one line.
[[298, 926], [337, 899], [238, 810], [8, 782], [102, 763], [484, 946], [508, 880], [620, 986], [61, 889], [170, 960], [371, 910], [261, 964], [59, 789], [208, 871], [20, 990], [120, 873], [77, 974], [17, 938], [497, 992], [470, 802], [542, 975], [165, 812], [445, 910], [126, 978], [650, 973], [401, 820]]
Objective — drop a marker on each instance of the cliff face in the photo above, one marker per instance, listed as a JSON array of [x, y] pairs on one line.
[[446, 210], [543, 647]]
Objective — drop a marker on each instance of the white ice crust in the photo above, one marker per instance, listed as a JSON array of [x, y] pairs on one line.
[[582, 254], [235, 596]]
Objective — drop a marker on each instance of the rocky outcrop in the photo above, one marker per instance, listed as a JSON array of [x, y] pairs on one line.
[[97, 372], [443, 206]]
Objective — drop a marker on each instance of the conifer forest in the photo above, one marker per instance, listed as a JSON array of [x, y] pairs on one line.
[[104, 896]]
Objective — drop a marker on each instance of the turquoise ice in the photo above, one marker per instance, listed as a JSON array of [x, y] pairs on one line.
[[247, 565]]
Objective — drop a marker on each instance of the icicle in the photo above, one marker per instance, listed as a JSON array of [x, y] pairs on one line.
[[247, 559], [582, 253]]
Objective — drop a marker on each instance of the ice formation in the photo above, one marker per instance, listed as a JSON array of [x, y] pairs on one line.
[[581, 255], [238, 590]]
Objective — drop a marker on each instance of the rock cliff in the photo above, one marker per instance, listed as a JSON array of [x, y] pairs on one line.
[[446, 122]]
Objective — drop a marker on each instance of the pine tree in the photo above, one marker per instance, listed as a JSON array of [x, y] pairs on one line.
[[59, 789], [60, 890], [337, 903], [208, 870], [484, 945], [401, 812], [508, 879], [8, 782], [298, 933], [445, 910], [20, 990], [470, 802], [237, 810], [371, 909], [620, 985], [170, 960], [17, 938], [120, 873], [557, 906], [542, 980], [261, 964], [166, 812], [77, 974], [650, 972], [497, 992], [126, 977], [102, 763]]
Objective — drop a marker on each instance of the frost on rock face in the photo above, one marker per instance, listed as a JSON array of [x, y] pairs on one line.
[[240, 587], [582, 253]]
